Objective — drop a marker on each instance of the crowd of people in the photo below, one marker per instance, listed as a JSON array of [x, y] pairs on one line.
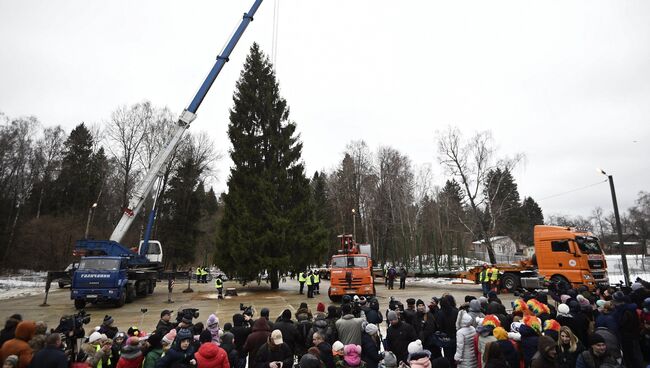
[[561, 328]]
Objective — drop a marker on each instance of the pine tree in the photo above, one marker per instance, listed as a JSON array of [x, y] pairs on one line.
[[269, 222], [532, 215], [503, 205]]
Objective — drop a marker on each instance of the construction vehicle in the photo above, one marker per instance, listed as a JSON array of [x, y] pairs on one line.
[[108, 270], [563, 255], [351, 270]]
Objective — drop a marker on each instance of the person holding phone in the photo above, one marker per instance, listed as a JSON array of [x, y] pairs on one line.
[[275, 353]]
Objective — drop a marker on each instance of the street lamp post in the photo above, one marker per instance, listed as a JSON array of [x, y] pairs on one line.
[[354, 225], [626, 273], [90, 214]]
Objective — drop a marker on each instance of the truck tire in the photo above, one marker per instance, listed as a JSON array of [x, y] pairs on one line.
[[557, 279], [510, 281], [130, 294], [120, 302], [61, 284], [79, 303], [150, 286], [334, 298]]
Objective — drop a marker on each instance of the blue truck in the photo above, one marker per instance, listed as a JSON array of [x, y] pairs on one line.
[[110, 272]]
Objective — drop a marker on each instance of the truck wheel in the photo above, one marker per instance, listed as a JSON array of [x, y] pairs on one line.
[[79, 303], [120, 302], [130, 294], [557, 279], [61, 285], [150, 286], [510, 282]]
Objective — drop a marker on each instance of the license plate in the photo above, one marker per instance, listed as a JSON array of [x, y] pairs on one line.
[[91, 296]]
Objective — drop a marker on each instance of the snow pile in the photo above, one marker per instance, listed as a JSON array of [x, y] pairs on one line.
[[24, 283], [638, 266]]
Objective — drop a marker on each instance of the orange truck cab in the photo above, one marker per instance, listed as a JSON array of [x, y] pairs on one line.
[[570, 255], [351, 270]]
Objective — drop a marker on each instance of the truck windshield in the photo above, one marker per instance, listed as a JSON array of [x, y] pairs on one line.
[[588, 245], [99, 264], [352, 261]]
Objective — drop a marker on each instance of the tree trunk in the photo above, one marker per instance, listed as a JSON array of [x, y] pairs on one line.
[[275, 279]]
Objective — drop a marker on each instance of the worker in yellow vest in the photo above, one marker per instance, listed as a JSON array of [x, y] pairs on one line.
[[494, 278], [484, 279], [218, 283], [310, 285], [301, 280], [316, 282], [198, 274]]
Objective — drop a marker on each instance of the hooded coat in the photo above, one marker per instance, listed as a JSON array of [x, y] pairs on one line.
[[175, 356], [349, 329], [240, 331], [542, 359], [228, 345], [257, 338], [270, 352], [210, 355], [289, 331], [19, 345], [370, 346], [465, 354], [398, 338], [529, 343]]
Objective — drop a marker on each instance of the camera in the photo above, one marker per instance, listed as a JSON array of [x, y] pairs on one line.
[[187, 312], [246, 309], [73, 323]]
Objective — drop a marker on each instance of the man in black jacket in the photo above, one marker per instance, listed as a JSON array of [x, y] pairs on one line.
[[164, 324], [289, 330], [51, 356], [398, 337]]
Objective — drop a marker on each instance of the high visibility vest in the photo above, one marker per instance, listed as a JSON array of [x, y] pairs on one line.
[[198, 271], [301, 277], [484, 276], [218, 284], [495, 274], [99, 364], [309, 282], [316, 278]]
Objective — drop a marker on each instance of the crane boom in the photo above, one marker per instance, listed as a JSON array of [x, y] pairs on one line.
[[145, 186]]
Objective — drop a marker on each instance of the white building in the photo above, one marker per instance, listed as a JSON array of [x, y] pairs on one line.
[[505, 250]]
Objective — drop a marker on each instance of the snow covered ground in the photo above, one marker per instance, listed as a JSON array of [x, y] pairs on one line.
[[23, 283], [639, 266]]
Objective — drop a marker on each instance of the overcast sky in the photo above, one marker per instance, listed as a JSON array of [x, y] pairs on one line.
[[567, 83]]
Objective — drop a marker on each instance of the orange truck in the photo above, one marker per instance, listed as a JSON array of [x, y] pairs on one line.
[[351, 270], [562, 254]]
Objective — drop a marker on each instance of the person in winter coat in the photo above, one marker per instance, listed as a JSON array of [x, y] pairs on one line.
[[154, 350], [398, 335], [257, 338], [213, 326], [289, 330], [625, 313], [581, 321], [324, 349], [485, 335], [181, 351], [107, 327], [546, 353], [210, 355], [530, 331], [508, 347], [348, 327], [241, 332], [370, 346], [429, 328], [228, 344], [418, 356], [116, 349], [606, 318], [131, 356], [19, 345], [304, 326], [98, 350], [9, 332], [494, 357], [446, 322], [373, 315], [51, 356], [569, 347], [390, 361], [275, 353], [597, 355], [164, 324], [351, 357], [474, 311], [465, 356]]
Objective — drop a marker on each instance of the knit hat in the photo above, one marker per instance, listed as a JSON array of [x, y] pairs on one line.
[[410, 301], [618, 296], [169, 337], [564, 298], [391, 316], [184, 334], [595, 338], [286, 314], [390, 361], [371, 329], [212, 321], [415, 347], [13, 359], [534, 323], [108, 320], [563, 309], [352, 354], [265, 312], [309, 361], [520, 306], [155, 340], [491, 320], [337, 346], [133, 331], [303, 305], [500, 333], [536, 307], [600, 303], [320, 307], [133, 340], [551, 325], [584, 302], [95, 336]]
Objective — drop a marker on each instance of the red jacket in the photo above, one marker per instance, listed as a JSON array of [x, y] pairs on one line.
[[130, 363], [211, 356], [19, 345]]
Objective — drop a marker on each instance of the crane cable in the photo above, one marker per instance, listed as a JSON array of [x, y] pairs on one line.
[[573, 190], [274, 40]]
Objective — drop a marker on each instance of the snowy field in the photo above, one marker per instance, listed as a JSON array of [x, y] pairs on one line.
[[639, 266], [23, 283]]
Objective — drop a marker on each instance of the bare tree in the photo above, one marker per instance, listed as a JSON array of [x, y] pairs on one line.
[[470, 161], [48, 154]]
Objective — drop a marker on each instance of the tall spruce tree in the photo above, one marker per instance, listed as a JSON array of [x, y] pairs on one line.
[[502, 198], [269, 222], [532, 215]]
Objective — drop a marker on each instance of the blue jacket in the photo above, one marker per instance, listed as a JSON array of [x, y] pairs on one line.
[[49, 357], [529, 340]]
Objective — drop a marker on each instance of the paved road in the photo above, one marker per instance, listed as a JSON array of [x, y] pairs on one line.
[[204, 298]]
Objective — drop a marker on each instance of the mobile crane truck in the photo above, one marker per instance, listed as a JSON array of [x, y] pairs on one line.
[[351, 270], [109, 271], [562, 254]]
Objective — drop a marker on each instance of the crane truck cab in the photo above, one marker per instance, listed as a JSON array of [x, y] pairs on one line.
[[570, 255], [154, 252], [351, 270]]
